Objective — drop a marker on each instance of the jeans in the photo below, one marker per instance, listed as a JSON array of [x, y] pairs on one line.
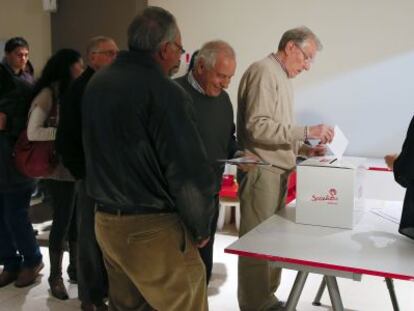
[[18, 245]]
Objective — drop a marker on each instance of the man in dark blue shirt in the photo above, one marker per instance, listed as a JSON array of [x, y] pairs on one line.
[[214, 66]]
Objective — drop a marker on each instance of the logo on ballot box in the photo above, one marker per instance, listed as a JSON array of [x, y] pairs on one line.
[[329, 198]]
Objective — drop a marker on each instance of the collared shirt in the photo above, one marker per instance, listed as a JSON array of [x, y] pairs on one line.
[[193, 82], [274, 55], [22, 75]]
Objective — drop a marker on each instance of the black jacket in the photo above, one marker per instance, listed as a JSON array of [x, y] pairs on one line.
[[14, 102], [142, 149], [68, 141], [214, 117], [404, 175]]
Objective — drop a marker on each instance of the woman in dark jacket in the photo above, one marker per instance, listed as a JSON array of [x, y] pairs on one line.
[[403, 167]]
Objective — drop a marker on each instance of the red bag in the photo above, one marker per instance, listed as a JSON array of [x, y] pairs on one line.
[[36, 158]]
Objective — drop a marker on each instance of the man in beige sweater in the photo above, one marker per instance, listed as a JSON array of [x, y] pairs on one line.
[[266, 128]]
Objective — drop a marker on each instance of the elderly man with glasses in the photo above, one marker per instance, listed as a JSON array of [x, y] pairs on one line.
[[91, 274], [266, 128]]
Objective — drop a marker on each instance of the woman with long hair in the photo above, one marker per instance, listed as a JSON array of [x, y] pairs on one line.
[[60, 70]]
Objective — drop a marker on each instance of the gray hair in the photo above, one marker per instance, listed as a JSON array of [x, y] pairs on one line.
[[299, 36], [211, 49], [95, 42], [151, 28]]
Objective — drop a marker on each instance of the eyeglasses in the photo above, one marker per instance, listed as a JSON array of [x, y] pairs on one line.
[[180, 47], [109, 53], [308, 59]]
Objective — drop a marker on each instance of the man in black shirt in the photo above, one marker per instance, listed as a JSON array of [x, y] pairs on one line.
[[92, 279], [403, 167], [213, 69], [147, 169]]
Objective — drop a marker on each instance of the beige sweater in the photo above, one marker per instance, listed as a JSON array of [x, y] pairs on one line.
[[265, 122], [36, 130]]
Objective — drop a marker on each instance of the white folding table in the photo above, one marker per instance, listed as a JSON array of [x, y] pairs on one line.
[[373, 247]]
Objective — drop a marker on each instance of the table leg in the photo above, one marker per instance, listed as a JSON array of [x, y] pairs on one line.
[[221, 216], [334, 293], [317, 300], [390, 285], [296, 291]]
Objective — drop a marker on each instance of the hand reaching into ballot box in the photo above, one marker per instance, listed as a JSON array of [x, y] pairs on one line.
[[323, 132], [317, 151], [390, 159]]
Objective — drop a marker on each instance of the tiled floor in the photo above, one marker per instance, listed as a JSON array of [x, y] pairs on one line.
[[368, 295]]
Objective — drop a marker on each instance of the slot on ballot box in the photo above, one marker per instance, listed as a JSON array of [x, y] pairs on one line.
[[329, 190]]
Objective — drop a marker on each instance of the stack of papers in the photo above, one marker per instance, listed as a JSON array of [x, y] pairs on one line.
[[243, 160], [391, 210]]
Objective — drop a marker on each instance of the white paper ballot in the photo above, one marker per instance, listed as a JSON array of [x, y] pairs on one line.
[[338, 144], [243, 160]]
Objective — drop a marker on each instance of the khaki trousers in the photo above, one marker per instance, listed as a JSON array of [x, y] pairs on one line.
[[152, 263], [262, 193]]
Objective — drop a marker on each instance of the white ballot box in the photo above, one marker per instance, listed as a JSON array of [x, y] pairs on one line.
[[328, 191]]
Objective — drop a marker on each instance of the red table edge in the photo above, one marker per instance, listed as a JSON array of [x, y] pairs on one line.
[[320, 265]]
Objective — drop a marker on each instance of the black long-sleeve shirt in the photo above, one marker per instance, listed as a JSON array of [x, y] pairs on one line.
[[142, 148], [404, 175], [214, 118], [69, 134]]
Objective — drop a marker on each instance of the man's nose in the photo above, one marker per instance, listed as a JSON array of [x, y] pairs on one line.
[[225, 83]]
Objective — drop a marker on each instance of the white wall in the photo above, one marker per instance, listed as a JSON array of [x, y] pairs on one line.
[[360, 81]]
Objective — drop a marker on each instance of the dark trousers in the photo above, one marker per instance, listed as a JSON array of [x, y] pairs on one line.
[[64, 219], [92, 277], [18, 245], [206, 253]]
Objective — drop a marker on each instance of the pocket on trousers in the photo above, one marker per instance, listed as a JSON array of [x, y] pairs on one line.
[[150, 234], [184, 239], [187, 247], [143, 236]]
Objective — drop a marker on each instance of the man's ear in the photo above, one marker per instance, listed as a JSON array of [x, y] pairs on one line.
[[200, 66], [91, 58], [289, 47], [163, 50]]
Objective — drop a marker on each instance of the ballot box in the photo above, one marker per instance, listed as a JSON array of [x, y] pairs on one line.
[[329, 190]]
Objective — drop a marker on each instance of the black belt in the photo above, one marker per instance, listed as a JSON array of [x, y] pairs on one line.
[[126, 211]]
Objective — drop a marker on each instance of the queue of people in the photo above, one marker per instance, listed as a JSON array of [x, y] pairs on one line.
[[135, 189]]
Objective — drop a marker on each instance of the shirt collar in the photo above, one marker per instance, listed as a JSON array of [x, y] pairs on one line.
[[193, 82], [22, 75], [276, 58]]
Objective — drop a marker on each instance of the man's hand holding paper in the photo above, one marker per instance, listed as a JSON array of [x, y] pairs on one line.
[[338, 145], [323, 132]]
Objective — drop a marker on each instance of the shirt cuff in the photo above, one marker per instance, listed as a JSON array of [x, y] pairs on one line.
[[298, 133]]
